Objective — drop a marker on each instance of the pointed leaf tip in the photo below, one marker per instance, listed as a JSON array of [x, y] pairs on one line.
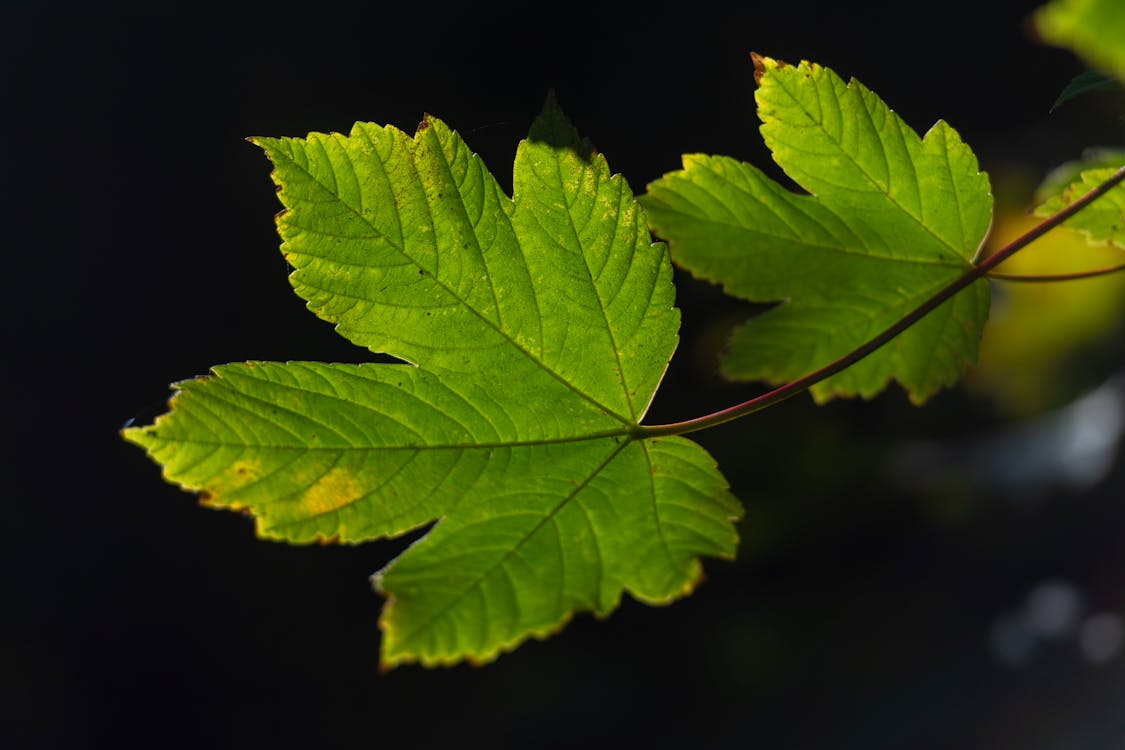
[[759, 67], [764, 64], [1083, 83], [553, 128]]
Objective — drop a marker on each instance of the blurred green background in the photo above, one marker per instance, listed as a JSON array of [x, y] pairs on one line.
[[952, 576]]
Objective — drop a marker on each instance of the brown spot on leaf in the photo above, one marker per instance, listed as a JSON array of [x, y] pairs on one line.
[[760, 65], [243, 472]]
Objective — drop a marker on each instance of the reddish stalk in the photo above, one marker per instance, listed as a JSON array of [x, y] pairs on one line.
[[1057, 276]]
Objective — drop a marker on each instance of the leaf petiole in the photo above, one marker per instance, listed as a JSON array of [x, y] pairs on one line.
[[982, 269], [1094, 273]]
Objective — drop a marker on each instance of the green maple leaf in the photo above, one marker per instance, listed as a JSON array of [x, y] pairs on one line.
[[1094, 29], [540, 326], [1103, 221], [892, 218]]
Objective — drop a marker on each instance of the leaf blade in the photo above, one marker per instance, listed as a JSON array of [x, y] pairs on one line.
[[891, 217], [535, 332], [319, 432], [591, 544], [484, 293]]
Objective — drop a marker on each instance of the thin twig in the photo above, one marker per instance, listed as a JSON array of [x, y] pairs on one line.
[[1057, 276]]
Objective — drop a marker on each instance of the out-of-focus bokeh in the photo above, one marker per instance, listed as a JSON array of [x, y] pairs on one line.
[[951, 576]]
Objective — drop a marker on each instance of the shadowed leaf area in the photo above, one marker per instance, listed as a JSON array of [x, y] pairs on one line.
[[534, 331], [890, 219], [1084, 83]]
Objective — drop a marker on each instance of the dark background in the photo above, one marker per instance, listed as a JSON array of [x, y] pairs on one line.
[[139, 249]]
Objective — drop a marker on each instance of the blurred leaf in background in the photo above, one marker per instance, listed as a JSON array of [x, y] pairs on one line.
[[1092, 28], [1102, 221]]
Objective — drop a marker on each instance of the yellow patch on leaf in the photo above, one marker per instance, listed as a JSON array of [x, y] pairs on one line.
[[331, 492]]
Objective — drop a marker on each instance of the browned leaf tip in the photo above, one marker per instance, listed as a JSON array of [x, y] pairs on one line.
[[760, 66]]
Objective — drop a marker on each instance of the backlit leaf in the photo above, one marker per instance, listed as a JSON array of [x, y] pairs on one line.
[[534, 332], [890, 219]]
